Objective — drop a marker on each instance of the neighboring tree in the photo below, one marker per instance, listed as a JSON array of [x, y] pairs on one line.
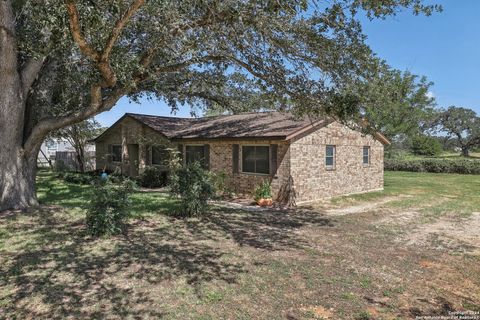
[[78, 135], [426, 146], [62, 62], [396, 103], [462, 125]]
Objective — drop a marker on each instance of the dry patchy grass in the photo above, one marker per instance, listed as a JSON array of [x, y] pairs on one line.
[[309, 263]]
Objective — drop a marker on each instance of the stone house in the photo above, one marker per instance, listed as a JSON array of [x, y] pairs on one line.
[[304, 160]]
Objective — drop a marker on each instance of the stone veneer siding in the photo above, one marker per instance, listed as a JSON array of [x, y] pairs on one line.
[[313, 180], [221, 160], [130, 131], [303, 159]]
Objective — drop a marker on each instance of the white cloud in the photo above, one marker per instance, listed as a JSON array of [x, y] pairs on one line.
[[430, 94]]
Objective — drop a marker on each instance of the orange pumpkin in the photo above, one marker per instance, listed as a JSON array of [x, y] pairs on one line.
[[265, 202]]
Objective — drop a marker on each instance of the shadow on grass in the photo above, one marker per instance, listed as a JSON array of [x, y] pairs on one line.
[[57, 270], [52, 268], [269, 230]]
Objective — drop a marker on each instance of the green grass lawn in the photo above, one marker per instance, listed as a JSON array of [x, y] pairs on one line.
[[53, 191], [381, 262], [435, 193]]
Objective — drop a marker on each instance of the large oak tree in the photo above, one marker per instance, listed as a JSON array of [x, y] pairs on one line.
[[462, 125], [62, 62]]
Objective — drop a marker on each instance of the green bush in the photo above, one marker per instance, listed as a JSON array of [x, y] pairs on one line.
[[263, 191], [426, 146], [60, 166], [78, 178], [434, 165], [109, 207], [192, 185], [221, 184], [152, 177]]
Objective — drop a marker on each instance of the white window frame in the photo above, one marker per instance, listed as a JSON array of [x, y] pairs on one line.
[[368, 155], [240, 154], [334, 157]]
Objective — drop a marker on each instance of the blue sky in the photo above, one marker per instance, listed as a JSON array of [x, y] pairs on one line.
[[445, 47]]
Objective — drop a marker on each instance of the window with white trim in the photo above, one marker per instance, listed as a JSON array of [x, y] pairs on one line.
[[330, 156], [366, 155], [256, 159]]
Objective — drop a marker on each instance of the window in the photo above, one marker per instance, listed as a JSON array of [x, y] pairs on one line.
[[117, 153], [255, 159], [366, 155], [195, 154], [159, 155], [330, 156]]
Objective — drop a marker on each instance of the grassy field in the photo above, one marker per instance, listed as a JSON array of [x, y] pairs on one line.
[[411, 250]]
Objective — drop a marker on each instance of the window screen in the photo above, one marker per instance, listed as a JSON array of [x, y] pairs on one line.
[[159, 155], [117, 153], [255, 159], [195, 154], [366, 155], [330, 156]]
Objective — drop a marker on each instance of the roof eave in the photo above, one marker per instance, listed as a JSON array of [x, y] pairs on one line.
[[283, 137]]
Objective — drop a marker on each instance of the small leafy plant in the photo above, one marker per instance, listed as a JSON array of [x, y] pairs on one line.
[[221, 184], [153, 177], [109, 207], [263, 191], [192, 185]]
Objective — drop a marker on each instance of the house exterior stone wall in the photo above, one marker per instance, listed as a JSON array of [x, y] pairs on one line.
[[130, 131], [127, 132], [302, 159], [313, 180], [221, 160]]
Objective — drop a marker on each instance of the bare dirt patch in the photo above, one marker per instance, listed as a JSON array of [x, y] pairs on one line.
[[460, 235]]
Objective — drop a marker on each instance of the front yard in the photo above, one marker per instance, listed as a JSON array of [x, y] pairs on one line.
[[411, 250]]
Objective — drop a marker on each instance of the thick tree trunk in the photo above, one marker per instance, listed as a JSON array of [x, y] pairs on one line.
[[17, 169], [17, 180], [465, 151], [81, 159]]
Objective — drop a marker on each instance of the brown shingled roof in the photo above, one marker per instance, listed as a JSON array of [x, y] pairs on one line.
[[244, 125], [254, 125]]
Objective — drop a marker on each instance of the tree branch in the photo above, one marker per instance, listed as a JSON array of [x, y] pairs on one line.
[[117, 30], [101, 58], [97, 105], [76, 31], [30, 72]]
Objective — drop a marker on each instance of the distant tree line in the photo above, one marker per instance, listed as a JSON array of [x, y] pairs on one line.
[[402, 107]]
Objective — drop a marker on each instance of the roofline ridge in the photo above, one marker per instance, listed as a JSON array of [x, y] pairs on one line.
[[156, 116]]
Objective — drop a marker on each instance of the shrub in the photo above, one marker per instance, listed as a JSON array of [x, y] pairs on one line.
[[263, 191], [152, 177], [220, 182], [78, 178], [109, 207], [426, 146], [60, 166], [434, 165], [192, 184]]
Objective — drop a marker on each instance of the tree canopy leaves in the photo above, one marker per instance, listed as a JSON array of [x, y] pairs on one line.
[[292, 53], [461, 124]]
